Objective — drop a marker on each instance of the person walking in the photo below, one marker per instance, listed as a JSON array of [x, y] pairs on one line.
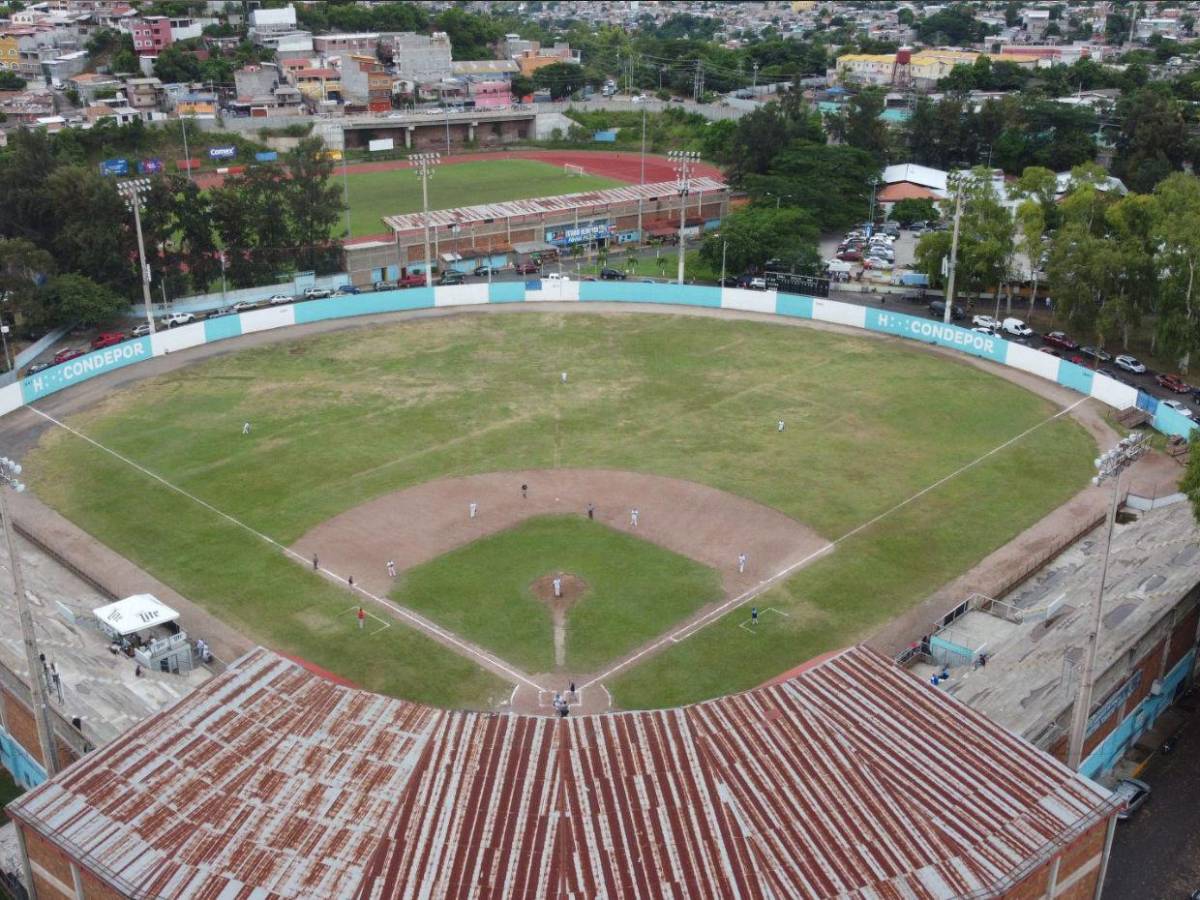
[[781, 425], [391, 568], [316, 563], [633, 517], [741, 563], [591, 511], [362, 618], [351, 581], [754, 615], [245, 428], [563, 377], [472, 508]]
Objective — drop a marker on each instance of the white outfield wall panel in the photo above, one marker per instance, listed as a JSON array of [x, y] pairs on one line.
[[1029, 360], [553, 291], [266, 319], [460, 295], [171, 340], [1111, 392], [840, 313], [751, 301], [11, 398]]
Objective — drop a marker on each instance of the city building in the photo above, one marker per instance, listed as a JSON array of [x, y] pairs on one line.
[[518, 230], [345, 43], [421, 57], [145, 93], [10, 51], [924, 69], [320, 84], [57, 69], [366, 82], [151, 34], [90, 84], [266, 24], [531, 55], [849, 778]]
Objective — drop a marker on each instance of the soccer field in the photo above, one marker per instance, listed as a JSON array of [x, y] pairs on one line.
[[374, 195], [351, 416]]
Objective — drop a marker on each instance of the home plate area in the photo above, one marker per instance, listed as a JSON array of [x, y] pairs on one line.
[[763, 618], [375, 625]]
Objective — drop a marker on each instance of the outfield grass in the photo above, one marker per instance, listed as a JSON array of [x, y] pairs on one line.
[[374, 195], [344, 417], [636, 590]]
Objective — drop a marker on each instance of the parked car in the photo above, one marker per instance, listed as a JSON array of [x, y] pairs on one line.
[[878, 262], [1115, 376], [1129, 364], [937, 308], [107, 339], [991, 332], [850, 255], [37, 367], [314, 293], [556, 276], [757, 284], [451, 277], [1178, 407], [178, 319], [1051, 351], [345, 289], [413, 279], [1135, 794], [526, 268], [1016, 328], [484, 270], [280, 299], [985, 322], [1173, 383], [140, 330], [244, 306], [389, 285], [608, 273], [1096, 353], [1059, 339], [65, 354]]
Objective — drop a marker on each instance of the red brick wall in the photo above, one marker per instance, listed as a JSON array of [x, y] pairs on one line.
[[1076, 855], [22, 727], [1183, 638], [51, 859]]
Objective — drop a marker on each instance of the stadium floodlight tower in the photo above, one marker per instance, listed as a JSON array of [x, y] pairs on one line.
[[424, 163], [9, 472], [683, 161], [1108, 468], [134, 191]]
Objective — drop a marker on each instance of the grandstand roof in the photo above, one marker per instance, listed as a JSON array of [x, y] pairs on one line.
[[542, 206], [850, 779]]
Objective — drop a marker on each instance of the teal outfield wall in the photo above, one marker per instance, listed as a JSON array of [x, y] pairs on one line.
[[917, 328]]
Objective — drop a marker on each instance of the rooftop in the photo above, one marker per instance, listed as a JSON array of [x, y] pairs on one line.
[[539, 206], [852, 779]]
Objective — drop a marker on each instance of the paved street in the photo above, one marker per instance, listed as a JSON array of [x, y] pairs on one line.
[[1156, 854]]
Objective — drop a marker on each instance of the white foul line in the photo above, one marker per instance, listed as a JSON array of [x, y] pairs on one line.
[[692, 627], [420, 622]]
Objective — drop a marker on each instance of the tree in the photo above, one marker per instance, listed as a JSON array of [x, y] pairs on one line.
[[174, 64], [754, 235], [832, 183], [913, 210], [954, 25], [522, 86], [11, 81], [471, 36], [762, 134], [1178, 324], [561, 79], [77, 299], [24, 268], [314, 204], [1153, 139], [861, 126]]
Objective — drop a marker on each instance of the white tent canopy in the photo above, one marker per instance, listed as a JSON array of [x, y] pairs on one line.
[[134, 614]]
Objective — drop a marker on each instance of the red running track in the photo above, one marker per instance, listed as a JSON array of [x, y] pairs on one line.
[[620, 165]]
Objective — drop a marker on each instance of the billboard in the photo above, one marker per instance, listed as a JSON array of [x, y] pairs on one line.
[[797, 284], [579, 234], [149, 166], [227, 152], [266, 156], [381, 144], [114, 167]]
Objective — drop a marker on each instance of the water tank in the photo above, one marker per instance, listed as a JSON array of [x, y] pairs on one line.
[[904, 56]]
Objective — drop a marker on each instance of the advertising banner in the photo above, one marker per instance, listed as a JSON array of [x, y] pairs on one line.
[[381, 144], [226, 152], [266, 156], [579, 234], [149, 166], [114, 167]]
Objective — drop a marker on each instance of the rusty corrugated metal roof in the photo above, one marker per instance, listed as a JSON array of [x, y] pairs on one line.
[[852, 779], [586, 202]]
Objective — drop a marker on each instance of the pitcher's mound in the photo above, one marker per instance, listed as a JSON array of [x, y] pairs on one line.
[[573, 589]]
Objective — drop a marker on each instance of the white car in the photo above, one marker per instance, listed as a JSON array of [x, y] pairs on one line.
[[1178, 407], [140, 331], [555, 276], [244, 306], [315, 293], [278, 299], [985, 329], [178, 319], [985, 322], [757, 284], [1016, 328], [1129, 364]]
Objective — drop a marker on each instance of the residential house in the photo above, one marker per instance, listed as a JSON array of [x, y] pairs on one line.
[[119, 111], [340, 44], [421, 57], [151, 34], [10, 51], [266, 24], [366, 81], [531, 55], [262, 90], [58, 69], [319, 85], [92, 85], [25, 107], [145, 93]]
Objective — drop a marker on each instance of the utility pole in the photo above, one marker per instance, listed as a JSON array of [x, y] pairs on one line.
[[9, 470], [345, 184], [724, 247], [1108, 467], [224, 298], [186, 155], [643, 181], [424, 163], [754, 83], [871, 214], [958, 201], [683, 160], [133, 192]]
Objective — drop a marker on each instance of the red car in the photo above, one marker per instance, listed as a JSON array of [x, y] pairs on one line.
[[1051, 351], [415, 280], [1173, 383], [849, 256], [1059, 339], [107, 339], [63, 355], [527, 268]]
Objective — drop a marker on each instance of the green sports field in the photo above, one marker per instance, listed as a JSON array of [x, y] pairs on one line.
[[348, 416], [374, 195]]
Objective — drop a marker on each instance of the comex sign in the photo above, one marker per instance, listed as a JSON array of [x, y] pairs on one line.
[[57, 377], [932, 331]]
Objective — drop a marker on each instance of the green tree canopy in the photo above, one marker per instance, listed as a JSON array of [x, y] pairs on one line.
[[77, 299], [754, 235]]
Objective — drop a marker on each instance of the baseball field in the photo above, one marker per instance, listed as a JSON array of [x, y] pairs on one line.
[[896, 471], [373, 195]]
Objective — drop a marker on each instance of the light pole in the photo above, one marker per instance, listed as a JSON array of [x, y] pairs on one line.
[[424, 163], [345, 184], [1108, 468], [4, 330], [683, 161], [224, 298], [186, 155], [9, 470], [871, 213], [953, 267], [643, 181], [133, 191], [724, 247]]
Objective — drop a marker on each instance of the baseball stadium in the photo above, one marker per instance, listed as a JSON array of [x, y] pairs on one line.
[[563, 588]]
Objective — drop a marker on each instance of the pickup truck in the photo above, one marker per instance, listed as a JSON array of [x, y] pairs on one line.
[[178, 319], [416, 279]]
